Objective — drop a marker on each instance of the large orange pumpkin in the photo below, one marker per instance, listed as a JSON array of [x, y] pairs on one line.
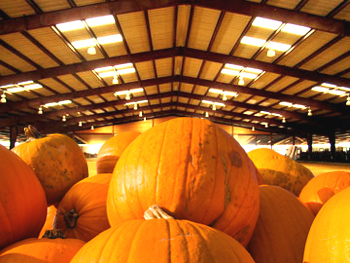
[[162, 240], [328, 238], [280, 170], [56, 159], [194, 170], [22, 200], [111, 150], [322, 187], [51, 249], [281, 231], [82, 211]]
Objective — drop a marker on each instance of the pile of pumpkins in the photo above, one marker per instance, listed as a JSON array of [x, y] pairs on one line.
[[183, 191]]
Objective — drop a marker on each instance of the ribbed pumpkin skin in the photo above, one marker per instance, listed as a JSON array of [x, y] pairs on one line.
[[42, 250], [57, 161], [162, 241], [281, 231], [328, 238], [48, 225], [88, 199], [111, 150], [322, 187], [280, 170], [194, 170], [22, 200]]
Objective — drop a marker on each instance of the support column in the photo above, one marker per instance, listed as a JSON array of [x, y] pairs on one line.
[[331, 138], [309, 145], [13, 136]]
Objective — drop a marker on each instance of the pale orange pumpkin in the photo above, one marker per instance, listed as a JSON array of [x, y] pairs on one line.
[[328, 238], [162, 239], [56, 159], [283, 224], [194, 170], [82, 211], [111, 150], [280, 170], [322, 187], [52, 248], [22, 200]]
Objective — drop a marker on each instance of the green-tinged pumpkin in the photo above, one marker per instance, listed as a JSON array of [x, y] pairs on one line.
[[322, 187], [56, 159], [22, 200], [328, 238], [194, 170], [280, 170], [52, 248], [162, 239], [82, 211], [281, 231], [111, 150]]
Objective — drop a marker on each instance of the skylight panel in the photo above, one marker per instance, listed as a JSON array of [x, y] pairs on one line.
[[248, 75], [320, 89], [266, 23], [125, 65], [253, 41], [84, 43], [126, 71], [230, 71], [137, 102], [233, 66], [110, 39], [295, 29], [109, 68], [69, 26], [278, 46], [100, 21]]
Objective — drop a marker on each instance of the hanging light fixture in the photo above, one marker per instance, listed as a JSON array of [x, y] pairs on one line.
[[40, 111], [80, 124], [266, 125], [253, 128], [64, 118], [309, 112], [3, 97], [271, 53], [283, 120], [92, 128], [144, 118], [348, 101], [135, 106], [115, 79], [214, 106], [206, 114], [140, 113], [224, 97], [127, 96], [91, 50], [241, 81]]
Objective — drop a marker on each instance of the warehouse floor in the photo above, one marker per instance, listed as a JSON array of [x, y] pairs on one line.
[[315, 168]]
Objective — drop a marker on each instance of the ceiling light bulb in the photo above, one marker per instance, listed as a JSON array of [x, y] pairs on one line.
[[266, 125], [92, 128], [309, 112], [3, 98], [135, 106], [214, 107], [127, 96], [40, 111], [115, 80], [253, 128], [63, 118], [284, 120], [224, 97], [206, 114], [80, 124], [241, 81], [91, 50], [348, 101], [140, 114], [144, 118], [271, 53]]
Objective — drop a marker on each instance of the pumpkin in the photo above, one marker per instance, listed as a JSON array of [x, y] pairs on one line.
[[82, 211], [111, 150], [280, 170], [194, 170], [281, 231], [162, 239], [22, 200], [48, 225], [56, 159], [322, 187], [51, 248], [328, 238]]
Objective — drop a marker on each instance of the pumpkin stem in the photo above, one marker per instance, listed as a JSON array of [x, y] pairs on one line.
[[155, 211], [32, 133], [71, 218], [53, 234]]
